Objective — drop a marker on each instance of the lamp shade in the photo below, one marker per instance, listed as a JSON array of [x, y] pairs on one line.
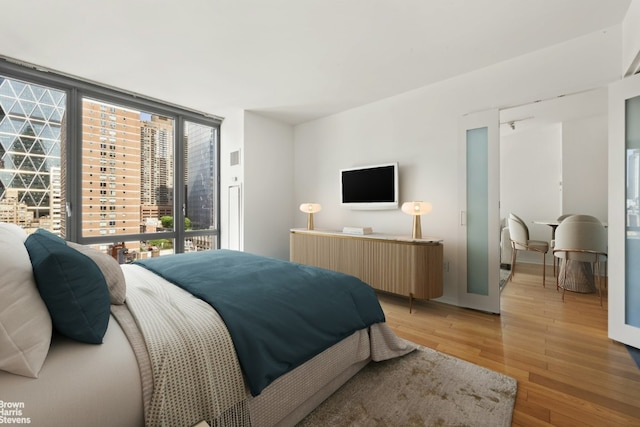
[[310, 207], [416, 208]]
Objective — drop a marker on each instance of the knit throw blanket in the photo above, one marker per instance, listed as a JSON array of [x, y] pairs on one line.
[[194, 369]]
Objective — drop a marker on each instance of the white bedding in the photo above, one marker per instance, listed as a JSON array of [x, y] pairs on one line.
[[195, 374], [100, 385], [80, 385]]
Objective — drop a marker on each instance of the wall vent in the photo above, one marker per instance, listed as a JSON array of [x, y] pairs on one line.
[[234, 158]]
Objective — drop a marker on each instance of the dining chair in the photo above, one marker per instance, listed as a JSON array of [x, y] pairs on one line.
[[583, 241], [581, 218], [552, 243], [564, 216], [519, 234], [572, 218]]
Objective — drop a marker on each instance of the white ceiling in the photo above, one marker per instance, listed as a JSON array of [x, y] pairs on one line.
[[294, 60]]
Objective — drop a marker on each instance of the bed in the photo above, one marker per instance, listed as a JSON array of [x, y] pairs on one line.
[[162, 354]]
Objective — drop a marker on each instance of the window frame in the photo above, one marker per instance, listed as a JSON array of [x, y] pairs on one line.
[[76, 90]]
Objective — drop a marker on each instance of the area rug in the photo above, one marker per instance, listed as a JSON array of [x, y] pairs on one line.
[[423, 388]]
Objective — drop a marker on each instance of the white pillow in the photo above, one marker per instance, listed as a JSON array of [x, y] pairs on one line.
[[110, 269], [25, 324], [14, 229]]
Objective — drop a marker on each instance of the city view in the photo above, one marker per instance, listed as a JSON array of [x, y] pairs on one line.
[[127, 170]]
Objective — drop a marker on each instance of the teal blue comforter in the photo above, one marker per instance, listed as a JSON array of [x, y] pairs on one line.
[[279, 314]]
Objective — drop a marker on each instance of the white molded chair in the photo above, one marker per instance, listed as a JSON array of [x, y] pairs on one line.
[[581, 218], [519, 234], [571, 218], [506, 253], [552, 244], [584, 241]]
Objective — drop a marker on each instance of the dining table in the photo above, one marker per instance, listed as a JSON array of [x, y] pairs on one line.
[[554, 223], [575, 276], [551, 223]]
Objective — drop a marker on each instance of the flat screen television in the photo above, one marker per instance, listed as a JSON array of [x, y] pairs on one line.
[[370, 187]]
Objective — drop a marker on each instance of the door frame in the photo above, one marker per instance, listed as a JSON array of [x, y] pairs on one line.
[[619, 330], [489, 119]]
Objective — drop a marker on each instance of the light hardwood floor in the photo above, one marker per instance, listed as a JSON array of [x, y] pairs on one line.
[[569, 372]]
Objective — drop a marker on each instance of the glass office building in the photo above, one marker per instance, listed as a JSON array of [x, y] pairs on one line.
[[31, 118]]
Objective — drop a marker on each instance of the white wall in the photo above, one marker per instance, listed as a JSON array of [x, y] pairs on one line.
[[530, 175], [231, 139], [268, 186], [419, 129], [585, 166], [265, 176]]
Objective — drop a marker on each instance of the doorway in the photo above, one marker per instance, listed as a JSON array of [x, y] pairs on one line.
[[553, 160]]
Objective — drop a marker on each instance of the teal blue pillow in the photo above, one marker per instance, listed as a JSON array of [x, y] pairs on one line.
[[72, 287], [50, 236]]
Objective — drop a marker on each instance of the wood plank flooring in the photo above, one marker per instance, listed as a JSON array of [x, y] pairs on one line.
[[569, 372]]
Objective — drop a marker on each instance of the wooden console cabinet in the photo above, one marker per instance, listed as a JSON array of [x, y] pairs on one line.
[[399, 265]]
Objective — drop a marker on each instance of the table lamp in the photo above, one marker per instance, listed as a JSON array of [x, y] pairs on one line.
[[416, 209], [310, 208]]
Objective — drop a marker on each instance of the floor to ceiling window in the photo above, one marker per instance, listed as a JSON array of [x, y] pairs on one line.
[[133, 177]]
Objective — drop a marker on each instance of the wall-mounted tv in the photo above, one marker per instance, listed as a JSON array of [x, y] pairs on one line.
[[370, 187]]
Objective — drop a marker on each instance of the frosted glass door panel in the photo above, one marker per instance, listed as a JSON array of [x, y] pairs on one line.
[[632, 235], [477, 212]]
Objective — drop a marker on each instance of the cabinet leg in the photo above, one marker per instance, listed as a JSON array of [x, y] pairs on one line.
[[410, 302]]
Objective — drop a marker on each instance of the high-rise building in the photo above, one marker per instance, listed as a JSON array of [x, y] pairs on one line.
[[55, 198], [14, 211], [30, 140], [156, 168], [110, 169], [201, 160]]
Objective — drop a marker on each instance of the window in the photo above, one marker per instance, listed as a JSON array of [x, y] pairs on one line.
[[163, 167]]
